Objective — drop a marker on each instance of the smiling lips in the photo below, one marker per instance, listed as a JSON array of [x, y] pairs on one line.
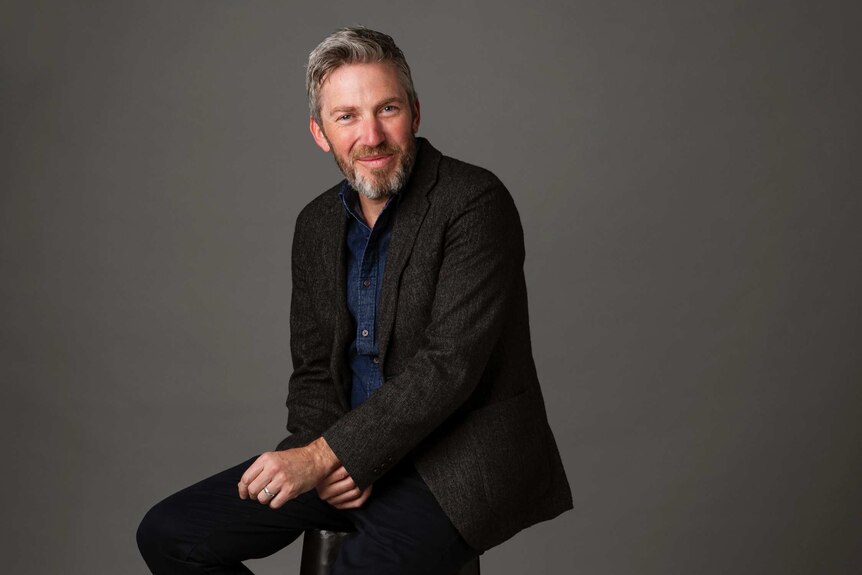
[[376, 161]]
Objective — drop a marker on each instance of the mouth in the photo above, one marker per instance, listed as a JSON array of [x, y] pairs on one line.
[[376, 161]]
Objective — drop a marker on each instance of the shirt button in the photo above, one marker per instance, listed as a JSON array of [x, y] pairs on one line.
[[375, 359], [364, 333], [366, 283]]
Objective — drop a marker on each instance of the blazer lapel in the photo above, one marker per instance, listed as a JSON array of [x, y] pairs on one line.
[[413, 206], [342, 324]]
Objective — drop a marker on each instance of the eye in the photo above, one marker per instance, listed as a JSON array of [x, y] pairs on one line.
[[345, 117], [389, 109]]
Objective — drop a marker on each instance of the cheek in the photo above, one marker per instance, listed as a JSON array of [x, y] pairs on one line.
[[335, 147], [402, 134], [343, 143]]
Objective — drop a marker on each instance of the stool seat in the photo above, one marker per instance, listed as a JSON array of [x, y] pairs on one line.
[[320, 548]]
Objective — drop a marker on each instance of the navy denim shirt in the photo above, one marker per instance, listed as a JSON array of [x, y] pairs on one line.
[[366, 258]]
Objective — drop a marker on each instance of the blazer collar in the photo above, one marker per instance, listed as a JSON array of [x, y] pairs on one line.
[[335, 251]]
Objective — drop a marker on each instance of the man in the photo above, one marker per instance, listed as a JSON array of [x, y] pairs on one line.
[[415, 414]]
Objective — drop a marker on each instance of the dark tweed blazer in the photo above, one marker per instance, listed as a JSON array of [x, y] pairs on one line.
[[460, 395]]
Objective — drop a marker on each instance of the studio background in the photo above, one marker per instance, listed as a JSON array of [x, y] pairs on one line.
[[687, 176]]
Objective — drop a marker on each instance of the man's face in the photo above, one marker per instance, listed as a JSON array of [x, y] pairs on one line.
[[369, 126]]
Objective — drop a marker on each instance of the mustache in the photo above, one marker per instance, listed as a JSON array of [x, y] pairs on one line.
[[382, 150]]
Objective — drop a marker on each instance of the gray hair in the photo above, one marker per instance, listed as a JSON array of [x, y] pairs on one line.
[[357, 45]]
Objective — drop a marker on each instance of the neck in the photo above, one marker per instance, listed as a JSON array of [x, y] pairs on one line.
[[371, 209]]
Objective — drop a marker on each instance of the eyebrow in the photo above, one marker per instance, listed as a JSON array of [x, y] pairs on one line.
[[341, 110], [347, 109]]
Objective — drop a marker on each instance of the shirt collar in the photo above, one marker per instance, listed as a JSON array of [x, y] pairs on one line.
[[350, 200]]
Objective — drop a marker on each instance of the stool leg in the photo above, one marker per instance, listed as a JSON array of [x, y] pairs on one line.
[[471, 568], [319, 550]]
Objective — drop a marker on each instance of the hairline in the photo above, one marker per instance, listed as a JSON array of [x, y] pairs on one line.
[[357, 45]]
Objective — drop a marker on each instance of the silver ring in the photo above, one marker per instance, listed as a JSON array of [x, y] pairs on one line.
[[269, 493]]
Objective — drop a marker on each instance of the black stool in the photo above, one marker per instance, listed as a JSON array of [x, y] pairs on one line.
[[320, 548]]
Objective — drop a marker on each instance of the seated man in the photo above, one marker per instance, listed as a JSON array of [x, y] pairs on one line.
[[415, 415]]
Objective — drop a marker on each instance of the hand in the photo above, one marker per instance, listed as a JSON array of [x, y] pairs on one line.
[[276, 477], [339, 490]]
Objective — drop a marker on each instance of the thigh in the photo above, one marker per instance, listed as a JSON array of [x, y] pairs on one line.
[[208, 524], [402, 529]]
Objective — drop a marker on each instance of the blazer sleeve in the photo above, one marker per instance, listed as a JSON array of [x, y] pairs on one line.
[[482, 258], [312, 401]]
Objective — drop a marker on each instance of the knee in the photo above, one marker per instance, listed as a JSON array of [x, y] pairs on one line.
[[154, 536], [148, 534]]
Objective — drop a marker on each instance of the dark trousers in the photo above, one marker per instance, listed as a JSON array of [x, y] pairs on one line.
[[207, 528]]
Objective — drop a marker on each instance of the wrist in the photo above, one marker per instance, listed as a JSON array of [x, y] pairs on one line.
[[323, 459]]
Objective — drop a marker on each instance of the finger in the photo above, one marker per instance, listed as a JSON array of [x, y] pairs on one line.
[[286, 492], [270, 476], [335, 489], [336, 476], [279, 483], [345, 496], [248, 477], [327, 489], [356, 503], [250, 474], [253, 470], [267, 494], [325, 484], [255, 490]]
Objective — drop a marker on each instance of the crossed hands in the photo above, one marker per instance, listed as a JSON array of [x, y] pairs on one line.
[[276, 477]]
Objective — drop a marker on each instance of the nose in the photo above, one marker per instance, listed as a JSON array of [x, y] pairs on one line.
[[372, 134]]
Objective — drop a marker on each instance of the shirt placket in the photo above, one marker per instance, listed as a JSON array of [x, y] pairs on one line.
[[367, 288]]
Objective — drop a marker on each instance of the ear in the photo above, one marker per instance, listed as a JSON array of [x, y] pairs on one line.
[[415, 116], [318, 135]]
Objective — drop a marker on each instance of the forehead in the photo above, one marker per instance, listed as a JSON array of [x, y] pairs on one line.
[[361, 84]]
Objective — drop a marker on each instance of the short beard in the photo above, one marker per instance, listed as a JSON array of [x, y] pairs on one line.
[[379, 186]]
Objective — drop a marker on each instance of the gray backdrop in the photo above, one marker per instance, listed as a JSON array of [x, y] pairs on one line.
[[687, 177]]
